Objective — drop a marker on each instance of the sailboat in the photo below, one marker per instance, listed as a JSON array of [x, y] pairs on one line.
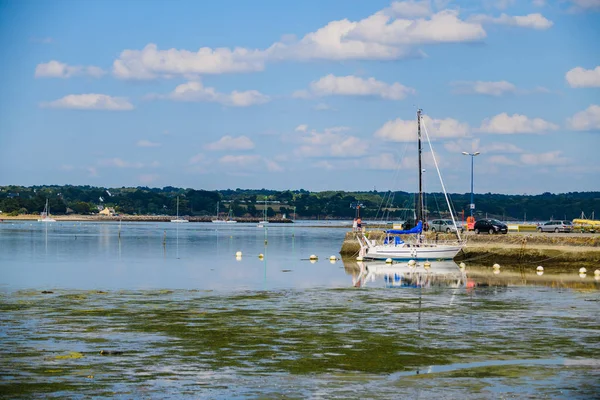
[[417, 248], [228, 220], [45, 215], [265, 221], [179, 220]]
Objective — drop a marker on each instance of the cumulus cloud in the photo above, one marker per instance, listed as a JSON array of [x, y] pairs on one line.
[[148, 178], [400, 130], [239, 160], [501, 160], [534, 21], [506, 124], [147, 143], [150, 62], [490, 88], [196, 159], [388, 34], [119, 163], [91, 101], [195, 91], [355, 86], [583, 5], [56, 69], [231, 143], [580, 77], [549, 158], [586, 120], [410, 9], [332, 142], [301, 128]]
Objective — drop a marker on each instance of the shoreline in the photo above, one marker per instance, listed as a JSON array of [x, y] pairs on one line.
[[136, 218]]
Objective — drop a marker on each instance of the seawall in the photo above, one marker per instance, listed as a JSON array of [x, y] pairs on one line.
[[511, 248]]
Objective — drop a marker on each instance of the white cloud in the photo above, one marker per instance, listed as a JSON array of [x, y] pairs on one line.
[[579, 77], [410, 9], [301, 128], [239, 160], [332, 142], [400, 130], [501, 160], [148, 178], [384, 161], [147, 143], [272, 166], [231, 143], [490, 88], [539, 3], [195, 91], [534, 21], [506, 124], [501, 148], [381, 36], [119, 163], [355, 86], [549, 158], [322, 107], [56, 69], [586, 120], [150, 62], [91, 101], [474, 145], [196, 159], [442, 27], [582, 5]]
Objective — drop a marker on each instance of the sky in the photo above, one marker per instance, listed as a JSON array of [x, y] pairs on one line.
[[318, 95]]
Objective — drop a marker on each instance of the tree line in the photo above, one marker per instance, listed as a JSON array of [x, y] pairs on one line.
[[300, 204]]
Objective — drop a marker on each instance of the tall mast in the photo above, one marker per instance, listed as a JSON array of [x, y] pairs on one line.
[[419, 206]]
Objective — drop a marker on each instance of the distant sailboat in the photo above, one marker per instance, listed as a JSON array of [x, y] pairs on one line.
[[45, 215], [179, 220], [265, 221], [228, 220]]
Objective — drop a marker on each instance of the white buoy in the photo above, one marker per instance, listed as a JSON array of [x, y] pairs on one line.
[[462, 265], [238, 258], [313, 257], [597, 272], [427, 265], [496, 266], [539, 268], [582, 270], [582, 275], [312, 261], [411, 263], [332, 258], [261, 255], [238, 254], [540, 273], [388, 261], [332, 261], [359, 258]]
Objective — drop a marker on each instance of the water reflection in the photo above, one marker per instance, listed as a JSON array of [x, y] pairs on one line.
[[404, 275]]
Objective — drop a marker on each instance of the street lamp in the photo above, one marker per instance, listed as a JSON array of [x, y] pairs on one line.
[[472, 205]]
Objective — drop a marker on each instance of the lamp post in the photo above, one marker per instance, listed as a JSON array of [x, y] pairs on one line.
[[472, 205]]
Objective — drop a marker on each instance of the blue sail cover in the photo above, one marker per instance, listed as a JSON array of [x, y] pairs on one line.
[[416, 229]]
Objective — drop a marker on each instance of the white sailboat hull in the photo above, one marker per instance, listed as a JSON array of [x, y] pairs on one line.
[[46, 220], [412, 252], [179, 221]]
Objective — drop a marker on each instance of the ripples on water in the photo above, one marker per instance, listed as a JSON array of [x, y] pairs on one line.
[[192, 321]]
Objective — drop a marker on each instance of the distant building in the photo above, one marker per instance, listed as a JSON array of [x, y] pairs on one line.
[[109, 211]]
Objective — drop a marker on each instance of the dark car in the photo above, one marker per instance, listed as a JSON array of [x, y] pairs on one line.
[[490, 226]]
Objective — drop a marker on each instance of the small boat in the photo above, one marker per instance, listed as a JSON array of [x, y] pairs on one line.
[[228, 220], [45, 215], [265, 220], [417, 247], [179, 220]]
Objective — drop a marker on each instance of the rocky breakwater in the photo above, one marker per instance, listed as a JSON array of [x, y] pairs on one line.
[[534, 248]]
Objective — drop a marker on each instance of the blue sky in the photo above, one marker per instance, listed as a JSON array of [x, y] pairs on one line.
[[312, 94]]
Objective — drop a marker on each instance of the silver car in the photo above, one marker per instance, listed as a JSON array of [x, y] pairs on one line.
[[443, 225], [556, 226]]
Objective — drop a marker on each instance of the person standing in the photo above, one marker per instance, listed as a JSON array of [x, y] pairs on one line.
[[354, 225]]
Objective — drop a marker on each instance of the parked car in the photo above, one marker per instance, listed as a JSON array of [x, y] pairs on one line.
[[443, 225], [556, 226], [490, 226]]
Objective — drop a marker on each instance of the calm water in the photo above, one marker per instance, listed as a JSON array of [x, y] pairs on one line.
[[178, 316]]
